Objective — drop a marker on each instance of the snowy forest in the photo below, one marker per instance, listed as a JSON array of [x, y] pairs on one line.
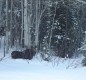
[[52, 27]]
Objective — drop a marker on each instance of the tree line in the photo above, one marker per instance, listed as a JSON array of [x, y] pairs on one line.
[[53, 27]]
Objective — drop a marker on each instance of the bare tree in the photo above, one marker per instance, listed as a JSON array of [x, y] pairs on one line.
[[27, 25]]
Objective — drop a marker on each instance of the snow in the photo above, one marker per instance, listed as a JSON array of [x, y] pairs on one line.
[[77, 74], [38, 69], [81, 1]]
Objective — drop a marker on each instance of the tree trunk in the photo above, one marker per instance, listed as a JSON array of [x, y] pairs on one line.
[[51, 31], [7, 30], [27, 26], [36, 28], [0, 10], [11, 24], [22, 24]]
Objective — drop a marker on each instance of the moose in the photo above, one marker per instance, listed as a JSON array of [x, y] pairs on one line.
[[26, 54]]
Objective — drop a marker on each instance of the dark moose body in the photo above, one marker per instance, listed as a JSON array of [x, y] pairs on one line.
[[26, 54]]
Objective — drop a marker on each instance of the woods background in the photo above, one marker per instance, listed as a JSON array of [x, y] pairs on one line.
[[54, 27]]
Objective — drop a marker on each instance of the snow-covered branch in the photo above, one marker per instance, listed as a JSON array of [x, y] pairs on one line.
[[81, 1]]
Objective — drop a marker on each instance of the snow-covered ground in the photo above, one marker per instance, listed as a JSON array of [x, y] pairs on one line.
[[37, 69]]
